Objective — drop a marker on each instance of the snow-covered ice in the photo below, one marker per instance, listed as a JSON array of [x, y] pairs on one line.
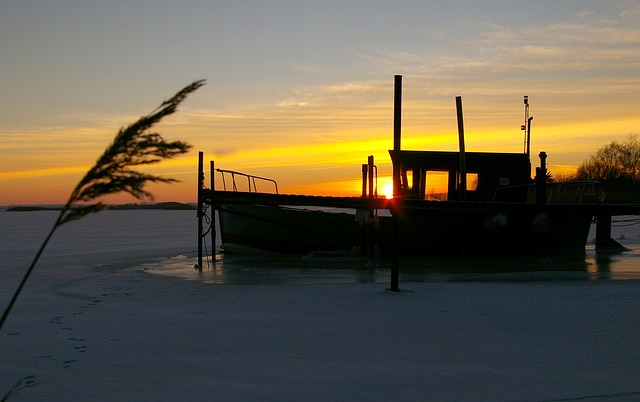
[[94, 324]]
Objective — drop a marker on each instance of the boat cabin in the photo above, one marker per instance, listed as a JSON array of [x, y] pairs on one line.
[[435, 175]]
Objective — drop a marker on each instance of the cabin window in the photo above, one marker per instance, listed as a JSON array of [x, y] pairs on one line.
[[408, 179], [437, 185], [472, 181]]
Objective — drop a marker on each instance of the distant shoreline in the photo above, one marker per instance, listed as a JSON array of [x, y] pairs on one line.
[[117, 207]]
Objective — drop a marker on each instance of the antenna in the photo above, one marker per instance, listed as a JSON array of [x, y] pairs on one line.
[[526, 127]]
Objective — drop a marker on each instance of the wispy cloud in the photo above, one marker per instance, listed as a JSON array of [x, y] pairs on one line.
[[586, 34], [592, 42], [43, 173]]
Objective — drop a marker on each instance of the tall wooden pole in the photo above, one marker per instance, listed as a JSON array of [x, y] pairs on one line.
[[369, 225], [370, 173], [200, 201], [397, 131], [395, 229], [463, 158], [364, 179], [213, 210]]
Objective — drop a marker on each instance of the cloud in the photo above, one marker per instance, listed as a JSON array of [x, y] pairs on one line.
[[591, 43], [292, 102], [585, 14], [308, 68], [23, 174], [632, 10], [584, 34]]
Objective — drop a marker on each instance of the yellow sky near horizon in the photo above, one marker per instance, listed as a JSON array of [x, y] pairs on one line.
[[301, 94], [327, 163]]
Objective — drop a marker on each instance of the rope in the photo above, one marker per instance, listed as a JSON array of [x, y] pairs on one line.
[[206, 253], [207, 220]]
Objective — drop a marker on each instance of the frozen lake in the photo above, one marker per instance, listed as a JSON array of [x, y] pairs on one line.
[[107, 315], [165, 242]]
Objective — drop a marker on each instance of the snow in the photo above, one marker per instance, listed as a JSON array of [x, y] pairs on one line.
[[94, 324]]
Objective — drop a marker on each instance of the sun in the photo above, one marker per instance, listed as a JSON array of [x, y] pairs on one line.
[[387, 191]]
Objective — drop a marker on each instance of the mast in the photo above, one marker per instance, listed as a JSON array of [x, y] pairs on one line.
[[526, 127], [462, 180], [395, 226], [397, 133]]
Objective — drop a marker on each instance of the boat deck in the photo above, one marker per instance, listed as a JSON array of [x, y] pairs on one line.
[[235, 197]]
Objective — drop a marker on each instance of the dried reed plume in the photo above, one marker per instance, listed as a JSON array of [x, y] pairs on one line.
[[113, 173]]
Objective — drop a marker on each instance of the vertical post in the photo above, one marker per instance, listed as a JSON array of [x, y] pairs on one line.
[[397, 132], [369, 226], [603, 234], [529, 136], [541, 180], [395, 230], [423, 184], [370, 171], [463, 157], [200, 200], [363, 232], [527, 127], [603, 231], [364, 180], [213, 209]]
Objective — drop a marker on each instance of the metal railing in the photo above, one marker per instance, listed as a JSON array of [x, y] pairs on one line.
[[251, 180], [574, 192], [570, 192]]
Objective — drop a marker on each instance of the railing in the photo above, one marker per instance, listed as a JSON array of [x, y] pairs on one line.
[[570, 192], [574, 192], [251, 180]]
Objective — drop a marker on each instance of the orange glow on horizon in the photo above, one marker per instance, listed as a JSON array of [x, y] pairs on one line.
[[386, 191], [312, 163]]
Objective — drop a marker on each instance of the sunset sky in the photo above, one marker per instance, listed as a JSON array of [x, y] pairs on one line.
[[302, 91]]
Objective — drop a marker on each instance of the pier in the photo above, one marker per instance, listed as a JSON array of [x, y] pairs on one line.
[[601, 213], [502, 190]]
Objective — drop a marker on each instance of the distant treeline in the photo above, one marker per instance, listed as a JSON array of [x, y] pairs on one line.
[[160, 205], [617, 167]]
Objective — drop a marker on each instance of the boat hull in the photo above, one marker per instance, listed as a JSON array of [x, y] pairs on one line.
[[440, 228], [486, 230], [287, 230]]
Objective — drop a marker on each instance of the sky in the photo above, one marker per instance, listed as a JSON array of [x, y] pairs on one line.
[[302, 91]]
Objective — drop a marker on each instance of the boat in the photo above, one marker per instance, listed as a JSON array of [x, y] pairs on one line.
[[499, 214], [498, 211], [491, 205]]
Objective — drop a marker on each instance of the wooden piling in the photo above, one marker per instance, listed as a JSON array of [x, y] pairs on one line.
[[364, 179], [397, 119], [603, 234], [463, 158], [395, 230], [370, 224], [200, 203], [212, 228], [541, 180], [370, 168]]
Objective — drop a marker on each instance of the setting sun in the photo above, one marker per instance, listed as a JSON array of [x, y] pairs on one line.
[[387, 190]]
